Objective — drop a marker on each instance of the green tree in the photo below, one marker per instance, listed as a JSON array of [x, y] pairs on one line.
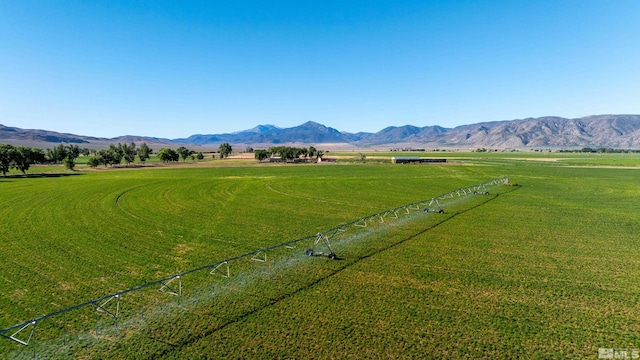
[[7, 157], [117, 153], [224, 150], [312, 151], [24, 157], [184, 152], [144, 152], [200, 156], [72, 152], [287, 153], [129, 152], [290, 153], [167, 155], [276, 150], [57, 154], [94, 161], [105, 157], [38, 156], [261, 155]]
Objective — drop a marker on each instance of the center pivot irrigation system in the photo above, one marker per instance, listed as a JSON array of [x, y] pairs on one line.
[[431, 205], [109, 305]]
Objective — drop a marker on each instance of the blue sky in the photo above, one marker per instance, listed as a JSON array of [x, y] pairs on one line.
[[177, 68]]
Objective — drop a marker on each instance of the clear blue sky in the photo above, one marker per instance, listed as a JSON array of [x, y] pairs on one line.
[[177, 68]]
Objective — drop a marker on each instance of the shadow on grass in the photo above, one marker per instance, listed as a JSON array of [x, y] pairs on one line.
[[350, 262], [37, 176]]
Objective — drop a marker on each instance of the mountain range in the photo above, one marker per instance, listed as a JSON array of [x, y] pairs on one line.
[[610, 131]]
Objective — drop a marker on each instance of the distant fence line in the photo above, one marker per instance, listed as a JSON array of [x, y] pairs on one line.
[[18, 333]]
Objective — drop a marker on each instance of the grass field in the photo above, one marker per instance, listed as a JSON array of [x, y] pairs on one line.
[[546, 269]]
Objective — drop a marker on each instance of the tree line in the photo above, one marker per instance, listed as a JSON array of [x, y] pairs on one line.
[[114, 155], [22, 157], [287, 153], [168, 154]]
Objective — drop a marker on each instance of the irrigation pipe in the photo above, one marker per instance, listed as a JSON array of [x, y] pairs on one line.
[[101, 302]]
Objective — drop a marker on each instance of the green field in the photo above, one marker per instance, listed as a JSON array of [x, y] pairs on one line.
[[549, 268]]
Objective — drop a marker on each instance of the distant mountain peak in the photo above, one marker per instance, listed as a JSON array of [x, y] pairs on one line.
[[312, 125], [259, 129]]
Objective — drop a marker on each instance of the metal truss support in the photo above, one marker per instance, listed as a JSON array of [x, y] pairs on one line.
[[260, 256], [361, 223], [217, 269], [446, 196], [481, 189], [391, 214], [103, 307], [23, 341], [323, 238], [429, 209], [166, 287]]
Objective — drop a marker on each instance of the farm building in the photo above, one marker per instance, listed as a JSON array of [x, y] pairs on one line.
[[414, 160]]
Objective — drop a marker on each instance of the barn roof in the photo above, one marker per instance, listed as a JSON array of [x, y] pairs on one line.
[[405, 158]]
